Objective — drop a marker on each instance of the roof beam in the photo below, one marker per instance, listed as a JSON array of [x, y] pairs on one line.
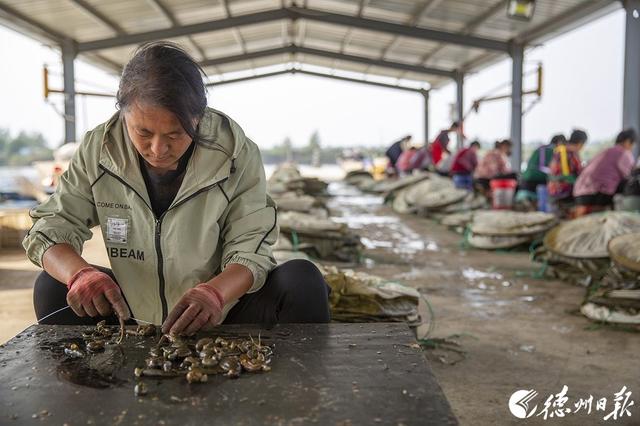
[[355, 80], [169, 16], [400, 30], [469, 28], [248, 78], [573, 18], [300, 13], [88, 7], [50, 35], [347, 38], [236, 32], [418, 12], [293, 49], [31, 24], [564, 22], [374, 62], [316, 74], [185, 30]]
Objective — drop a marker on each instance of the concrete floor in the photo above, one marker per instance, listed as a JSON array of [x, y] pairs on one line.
[[516, 332]]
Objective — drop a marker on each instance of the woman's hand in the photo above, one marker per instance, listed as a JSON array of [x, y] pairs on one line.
[[93, 293], [200, 307]]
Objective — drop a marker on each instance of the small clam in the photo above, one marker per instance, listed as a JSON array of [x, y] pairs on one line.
[[233, 374], [202, 342], [146, 330], [183, 351], [207, 353], [209, 362], [154, 362], [140, 389], [95, 346], [137, 371], [179, 353], [189, 362], [177, 341], [245, 345], [251, 365], [164, 340], [196, 376], [209, 346], [231, 366]]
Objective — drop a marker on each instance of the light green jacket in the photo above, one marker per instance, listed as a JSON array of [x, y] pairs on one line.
[[221, 214]]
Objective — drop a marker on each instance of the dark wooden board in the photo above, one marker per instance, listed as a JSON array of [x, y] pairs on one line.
[[339, 374]]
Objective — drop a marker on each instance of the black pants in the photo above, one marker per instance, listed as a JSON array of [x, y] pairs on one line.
[[598, 199], [295, 292]]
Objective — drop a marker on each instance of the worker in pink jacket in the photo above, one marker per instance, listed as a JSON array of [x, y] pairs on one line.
[[605, 174]]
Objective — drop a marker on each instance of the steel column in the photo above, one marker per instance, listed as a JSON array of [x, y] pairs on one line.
[[425, 95], [459, 107], [517, 59], [69, 52], [631, 101]]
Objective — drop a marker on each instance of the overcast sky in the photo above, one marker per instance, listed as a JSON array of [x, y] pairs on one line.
[[583, 73]]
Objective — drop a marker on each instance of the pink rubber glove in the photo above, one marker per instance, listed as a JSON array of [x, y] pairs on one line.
[[93, 293], [200, 307]]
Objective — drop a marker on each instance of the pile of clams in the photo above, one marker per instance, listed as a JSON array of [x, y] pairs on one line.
[[175, 356]]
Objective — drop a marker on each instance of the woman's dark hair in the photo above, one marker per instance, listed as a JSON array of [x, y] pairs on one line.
[[626, 134], [577, 137], [474, 143], [500, 144], [162, 74], [558, 140]]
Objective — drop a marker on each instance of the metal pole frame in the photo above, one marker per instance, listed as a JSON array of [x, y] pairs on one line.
[[294, 49], [69, 52], [631, 99], [517, 60], [315, 74], [459, 107], [425, 95], [297, 13]]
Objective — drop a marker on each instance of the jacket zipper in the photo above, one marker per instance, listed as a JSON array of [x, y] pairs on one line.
[[158, 233], [161, 288]]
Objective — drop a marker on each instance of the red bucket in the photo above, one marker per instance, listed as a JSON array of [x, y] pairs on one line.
[[502, 193]]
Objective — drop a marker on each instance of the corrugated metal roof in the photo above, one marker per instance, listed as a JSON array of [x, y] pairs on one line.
[[357, 28]]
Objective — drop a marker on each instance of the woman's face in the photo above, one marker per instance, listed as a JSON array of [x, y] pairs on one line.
[[157, 135]]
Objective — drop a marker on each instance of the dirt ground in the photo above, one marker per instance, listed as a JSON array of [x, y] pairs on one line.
[[513, 331]]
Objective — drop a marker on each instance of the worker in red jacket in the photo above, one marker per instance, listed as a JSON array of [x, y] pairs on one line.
[[440, 145], [464, 164]]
